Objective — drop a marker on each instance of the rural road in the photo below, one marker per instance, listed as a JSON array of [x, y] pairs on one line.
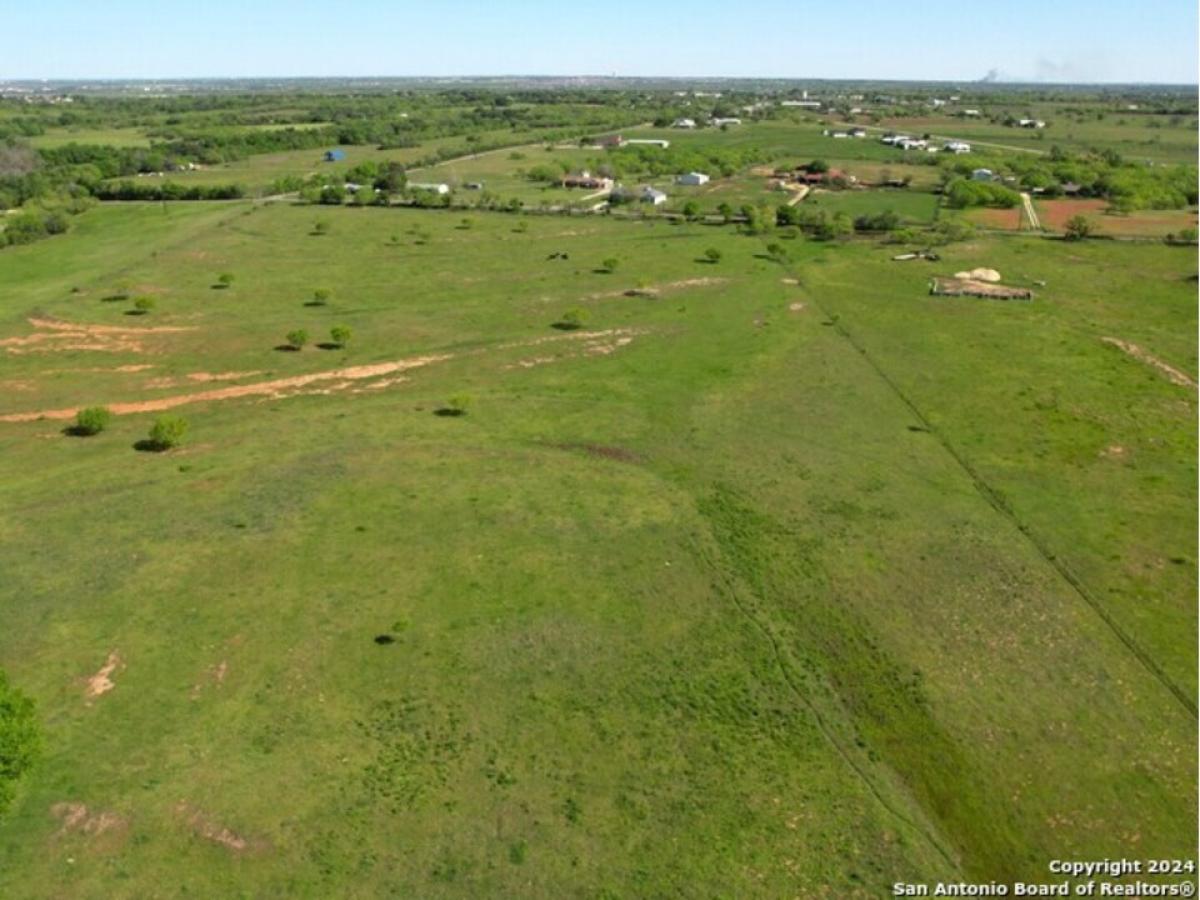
[[1030, 213]]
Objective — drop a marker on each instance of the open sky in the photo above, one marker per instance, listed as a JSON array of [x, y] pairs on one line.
[[1022, 40]]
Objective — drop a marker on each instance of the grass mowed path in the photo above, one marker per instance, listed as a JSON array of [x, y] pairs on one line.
[[694, 599]]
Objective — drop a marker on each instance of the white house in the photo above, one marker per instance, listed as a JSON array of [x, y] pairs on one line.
[[971, 112], [652, 141], [693, 178], [802, 104], [982, 175], [434, 188], [1031, 123], [653, 195], [684, 123], [957, 147], [718, 121]]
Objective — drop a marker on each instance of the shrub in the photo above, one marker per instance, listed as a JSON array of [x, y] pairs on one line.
[[143, 305], [297, 338], [691, 209], [225, 279], [320, 296], [610, 264], [1077, 228], [320, 227], [167, 432], [20, 738], [340, 335], [458, 404], [572, 319], [91, 420], [713, 255]]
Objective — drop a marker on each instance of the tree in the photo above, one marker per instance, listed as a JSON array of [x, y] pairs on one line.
[[1077, 228], [143, 305], [167, 432], [818, 166], [320, 227], [456, 405], [91, 420], [572, 319], [340, 335], [297, 338], [609, 264], [726, 212], [20, 739], [320, 297], [225, 279], [691, 209], [713, 255]]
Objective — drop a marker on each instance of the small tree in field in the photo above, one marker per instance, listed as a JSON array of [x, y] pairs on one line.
[[320, 227], [320, 297], [225, 279], [713, 255], [1077, 228], [573, 319], [691, 209], [92, 420], [457, 405], [726, 212], [340, 335], [20, 739], [143, 305], [297, 338], [610, 264], [167, 432]]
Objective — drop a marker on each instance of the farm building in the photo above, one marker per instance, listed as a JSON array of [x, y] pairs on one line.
[[334, 155], [858, 132], [956, 147], [611, 140], [1031, 123], [586, 179], [983, 175], [653, 195], [429, 186], [684, 123], [653, 142], [721, 121], [694, 178], [802, 104]]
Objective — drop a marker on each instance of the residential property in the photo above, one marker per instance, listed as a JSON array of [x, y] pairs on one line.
[[720, 121], [587, 180], [802, 104], [684, 123], [429, 186], [956, 147], [654, 142], [692, 178], [334, 155], [971, 112], [983, 175], [1031, 123], [858, 132]]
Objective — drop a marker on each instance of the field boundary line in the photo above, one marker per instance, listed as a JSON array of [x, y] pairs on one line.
[[998, 503], [784, 666]]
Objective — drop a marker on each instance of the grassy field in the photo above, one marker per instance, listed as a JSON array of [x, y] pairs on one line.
[[769, 581], [910, 205], [115, 137]]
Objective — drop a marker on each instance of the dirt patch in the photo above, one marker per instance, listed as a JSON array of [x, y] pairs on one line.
[[656, 289], [77, 818], [791, 281], [796, 307], [1006, 219], [53, 335], [210, 830], [101, 682], [1114, 451], [603, 349], [200, 378], [213, 675], [1175, 376], [275, 389]]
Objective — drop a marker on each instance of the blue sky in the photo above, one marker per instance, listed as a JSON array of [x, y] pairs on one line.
[[1051, 40]]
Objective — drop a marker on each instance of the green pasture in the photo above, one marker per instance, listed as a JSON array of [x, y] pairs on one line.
[[745, 588]]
